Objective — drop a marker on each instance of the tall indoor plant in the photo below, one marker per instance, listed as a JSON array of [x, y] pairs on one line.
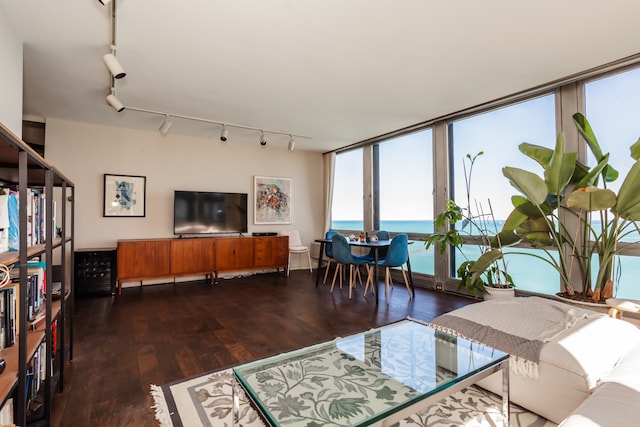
[[478, 224], [570, 210]]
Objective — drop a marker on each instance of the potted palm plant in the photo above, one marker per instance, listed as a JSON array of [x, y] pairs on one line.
[[488, 273], [569, 209]]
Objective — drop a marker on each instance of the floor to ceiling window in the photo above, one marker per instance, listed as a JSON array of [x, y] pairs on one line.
[[399, 185], [347, 211], [405, 201], [492, 138], [613, 109]]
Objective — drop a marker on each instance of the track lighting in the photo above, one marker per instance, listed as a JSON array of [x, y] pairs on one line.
[[166, 125], [115, 102], [224, 132], [114, 66], [104, 2]]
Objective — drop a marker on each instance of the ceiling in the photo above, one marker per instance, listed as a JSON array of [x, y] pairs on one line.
[[336, 71]]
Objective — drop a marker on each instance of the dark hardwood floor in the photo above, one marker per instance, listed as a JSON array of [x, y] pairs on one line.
[[162, 333]]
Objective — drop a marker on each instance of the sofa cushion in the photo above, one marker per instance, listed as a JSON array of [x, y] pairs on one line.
[[611, 405], [627, 371]]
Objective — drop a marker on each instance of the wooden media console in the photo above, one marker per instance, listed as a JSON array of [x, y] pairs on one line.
[[148, 259]]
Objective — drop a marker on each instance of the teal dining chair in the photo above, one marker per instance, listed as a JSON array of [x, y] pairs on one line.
[[397, 256], [382, 252], [328, 253], [343, 257]]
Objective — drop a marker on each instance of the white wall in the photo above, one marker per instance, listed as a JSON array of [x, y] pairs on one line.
[[10, 76], [84, 152]]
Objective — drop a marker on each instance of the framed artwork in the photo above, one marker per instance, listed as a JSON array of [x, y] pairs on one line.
[[124, 195], [272, 200]]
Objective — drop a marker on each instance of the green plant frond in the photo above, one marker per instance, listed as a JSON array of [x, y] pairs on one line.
[[505, 238], [529, 184], [483, 263], [591, 178], [635, 150], [532, 211], [580, 171], [591, 198], [536, 225], [540, 154], [584, 128], [560, 170], [628, 204], [514, 219]]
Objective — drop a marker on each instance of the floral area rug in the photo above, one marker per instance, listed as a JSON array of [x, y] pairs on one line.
[[207, 400]]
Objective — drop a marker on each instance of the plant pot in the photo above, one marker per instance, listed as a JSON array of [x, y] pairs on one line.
[[498, 293]]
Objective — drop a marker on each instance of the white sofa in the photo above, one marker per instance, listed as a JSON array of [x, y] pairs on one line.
[[616, 400], [591, 371]]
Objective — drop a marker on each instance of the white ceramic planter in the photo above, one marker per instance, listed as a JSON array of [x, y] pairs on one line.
[[498, 293]]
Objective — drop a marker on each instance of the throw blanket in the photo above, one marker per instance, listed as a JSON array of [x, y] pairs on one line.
[[518, 326]]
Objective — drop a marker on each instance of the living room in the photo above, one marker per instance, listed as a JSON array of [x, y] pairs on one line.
[[191, 157]]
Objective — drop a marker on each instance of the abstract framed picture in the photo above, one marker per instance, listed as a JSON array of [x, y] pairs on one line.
[[124, 195], [272, 200]]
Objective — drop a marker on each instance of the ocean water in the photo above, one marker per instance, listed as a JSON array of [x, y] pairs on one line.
[[528, 273]]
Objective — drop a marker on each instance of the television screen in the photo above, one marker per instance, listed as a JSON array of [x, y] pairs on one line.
[[202, 212]]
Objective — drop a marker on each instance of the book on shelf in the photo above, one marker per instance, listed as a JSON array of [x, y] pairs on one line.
[[36, 218], [8, 304]]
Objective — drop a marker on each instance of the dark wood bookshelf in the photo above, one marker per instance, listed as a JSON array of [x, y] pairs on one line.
[[9, 376]]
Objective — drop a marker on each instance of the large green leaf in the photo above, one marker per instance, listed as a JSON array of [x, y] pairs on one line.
[[584, 128], [505, 238], [529, 184], [483, 262], [560, 170], [635, 150], [514, 220], [628, 205], [540, 154], [531, 210], [535, 231], [592, 177], [592, 198]]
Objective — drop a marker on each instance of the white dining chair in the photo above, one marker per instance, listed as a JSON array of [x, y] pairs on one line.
[[296, 247]]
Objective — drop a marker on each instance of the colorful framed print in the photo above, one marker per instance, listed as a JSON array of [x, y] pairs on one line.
[[124, 195], [272, 200]]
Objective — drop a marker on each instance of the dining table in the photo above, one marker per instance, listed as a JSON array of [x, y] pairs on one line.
[[376, 246]]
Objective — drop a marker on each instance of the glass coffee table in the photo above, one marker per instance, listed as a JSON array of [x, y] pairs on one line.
[[374, 378]]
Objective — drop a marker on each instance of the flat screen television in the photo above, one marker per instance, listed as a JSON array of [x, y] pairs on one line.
[[204, 212]]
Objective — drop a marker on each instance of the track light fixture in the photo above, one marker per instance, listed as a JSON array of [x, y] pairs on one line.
[[115, 102], [292, 143], [166, 125], [104, 2], [224, 133], [113, 65]]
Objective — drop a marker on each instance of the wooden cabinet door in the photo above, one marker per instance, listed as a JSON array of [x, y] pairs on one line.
[[195, 255], [234, 253], [143, 259], [244, 252], [225, 253]]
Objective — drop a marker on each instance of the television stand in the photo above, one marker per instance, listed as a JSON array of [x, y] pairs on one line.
[[148, 259]]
